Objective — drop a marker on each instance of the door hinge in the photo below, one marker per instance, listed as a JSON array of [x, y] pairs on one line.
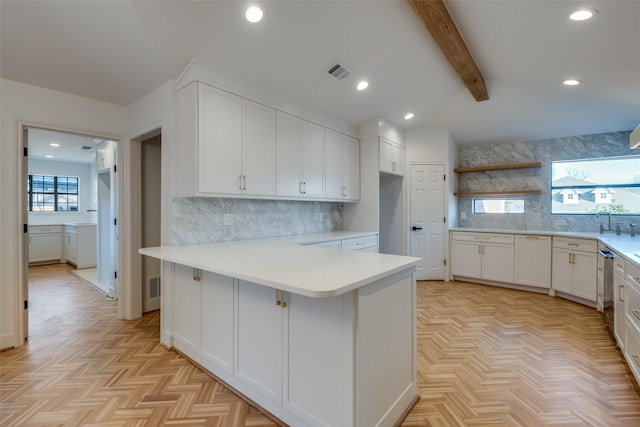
[[115, 221], [115, 274], [444, 219], [445, 261], [444, 177], [115, 169], [26, 304], [25, 151], [25, 228]]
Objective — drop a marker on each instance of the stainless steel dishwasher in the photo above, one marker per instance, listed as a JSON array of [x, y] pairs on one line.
[[607, 303]]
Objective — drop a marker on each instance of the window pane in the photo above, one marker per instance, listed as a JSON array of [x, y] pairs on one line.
[[498, 206], [48, 193]]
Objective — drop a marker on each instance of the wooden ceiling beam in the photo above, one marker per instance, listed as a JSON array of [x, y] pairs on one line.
[[436, 18]]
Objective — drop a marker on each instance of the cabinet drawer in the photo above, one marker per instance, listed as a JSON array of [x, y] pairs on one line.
[[632, 274], [618, 266], [43, 229], [359, 243], [575, 244], [483, 237], [327, 244], [632, 302]]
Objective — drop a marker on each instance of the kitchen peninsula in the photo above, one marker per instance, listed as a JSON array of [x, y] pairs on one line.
[[315, 336]]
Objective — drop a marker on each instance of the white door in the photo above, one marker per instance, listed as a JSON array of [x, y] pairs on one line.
[[427, 220]]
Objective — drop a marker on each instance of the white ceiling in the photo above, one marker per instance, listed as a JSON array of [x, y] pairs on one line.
[[69, 149], [117, 51]]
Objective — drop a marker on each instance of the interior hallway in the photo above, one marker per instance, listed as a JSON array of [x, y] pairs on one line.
[[486, 356]]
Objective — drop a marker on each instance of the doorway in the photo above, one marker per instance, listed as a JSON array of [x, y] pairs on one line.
[[427, 216], [65, 174]]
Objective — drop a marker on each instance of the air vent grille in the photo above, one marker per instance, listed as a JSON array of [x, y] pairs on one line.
[[154, 287], [338, 71]]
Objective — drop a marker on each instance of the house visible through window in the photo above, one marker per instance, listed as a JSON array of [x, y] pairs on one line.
[[52, 193], [596, 185]]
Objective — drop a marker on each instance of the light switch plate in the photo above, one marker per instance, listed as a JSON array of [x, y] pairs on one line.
[[227, 219]]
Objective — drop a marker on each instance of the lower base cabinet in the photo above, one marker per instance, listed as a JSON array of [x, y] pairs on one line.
[[575, 267], [348, 360]]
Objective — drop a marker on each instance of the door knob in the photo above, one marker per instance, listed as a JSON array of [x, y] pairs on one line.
[[414, 228]]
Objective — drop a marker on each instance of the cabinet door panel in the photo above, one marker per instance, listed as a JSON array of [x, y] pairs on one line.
[[45, 247], [258, 148], [497, 262], [466, 259], [288, 154], [533, 261], [259, 339], [313, 159], [398, 159], [585, 271], [219, 141], [217, 319], [336, 153], [186, 305], [562, 272], [386, 155]]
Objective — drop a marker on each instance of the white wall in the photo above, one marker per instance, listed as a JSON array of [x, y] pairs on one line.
[[86, 191], [40, 107]]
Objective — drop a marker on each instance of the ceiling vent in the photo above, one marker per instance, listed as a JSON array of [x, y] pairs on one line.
[[338, 71], [86, 147]]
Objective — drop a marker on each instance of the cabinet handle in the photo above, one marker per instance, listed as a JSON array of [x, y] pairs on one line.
[[636, 313], [197, 274], [570, 259], [480, 238], [278, 302], [344, 191], [303, 187], [532, 237], [393, 166], [577, 245], [635, 358], [620, 292]]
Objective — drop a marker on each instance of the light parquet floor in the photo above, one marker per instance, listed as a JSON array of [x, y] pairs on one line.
[[486, 357]]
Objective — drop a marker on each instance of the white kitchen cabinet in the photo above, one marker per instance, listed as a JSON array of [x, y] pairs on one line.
[[342, 163], [259, 339], [632, 318], [186, 301], [483, 256], [300, 157], [533, 261], [80, 245], [45, 243], [618, 300], [217, 319], [364, 244], [392, 157], [574, 269], [236, 144]]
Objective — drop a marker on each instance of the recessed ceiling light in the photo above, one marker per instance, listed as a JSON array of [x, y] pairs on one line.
[[362, 85], [49, 156], [253, 14], [53, 144], [582, 14], [409, 116], [571, 82]]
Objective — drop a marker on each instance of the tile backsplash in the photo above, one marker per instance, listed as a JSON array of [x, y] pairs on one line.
[[202, 219], [537, 214]]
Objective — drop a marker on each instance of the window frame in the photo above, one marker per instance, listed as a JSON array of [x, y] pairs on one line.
[[56, 193]]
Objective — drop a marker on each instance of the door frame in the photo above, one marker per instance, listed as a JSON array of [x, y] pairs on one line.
[[22, 320]]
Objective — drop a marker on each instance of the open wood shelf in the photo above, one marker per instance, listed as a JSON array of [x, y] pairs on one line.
[[497, 193], [498, 167]]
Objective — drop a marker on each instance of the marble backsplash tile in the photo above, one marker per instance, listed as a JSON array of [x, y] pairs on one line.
[[200, 219], [537, 208]]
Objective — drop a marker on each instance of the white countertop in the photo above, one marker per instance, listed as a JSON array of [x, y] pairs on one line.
[[284, 263], [623, 245]]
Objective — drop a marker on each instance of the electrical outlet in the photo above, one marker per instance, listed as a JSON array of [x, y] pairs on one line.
[[561, 222], [463, 215], [227, 219]]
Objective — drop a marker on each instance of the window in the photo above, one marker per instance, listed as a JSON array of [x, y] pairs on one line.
[[596, 185], [52, 193], [498, 206]]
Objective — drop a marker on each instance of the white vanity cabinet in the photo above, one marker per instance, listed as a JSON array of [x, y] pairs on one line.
[[299, 157], [45, 243], [574, 269], [342, 162], [483, 256], [80, 245], [533, 261], [392, 157]]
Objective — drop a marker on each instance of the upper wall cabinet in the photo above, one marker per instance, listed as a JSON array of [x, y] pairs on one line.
[[231, 146], [391, 157], [342, 160], [299, 157]]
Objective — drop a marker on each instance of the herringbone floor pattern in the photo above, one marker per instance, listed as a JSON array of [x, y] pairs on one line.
[[486, 357]]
